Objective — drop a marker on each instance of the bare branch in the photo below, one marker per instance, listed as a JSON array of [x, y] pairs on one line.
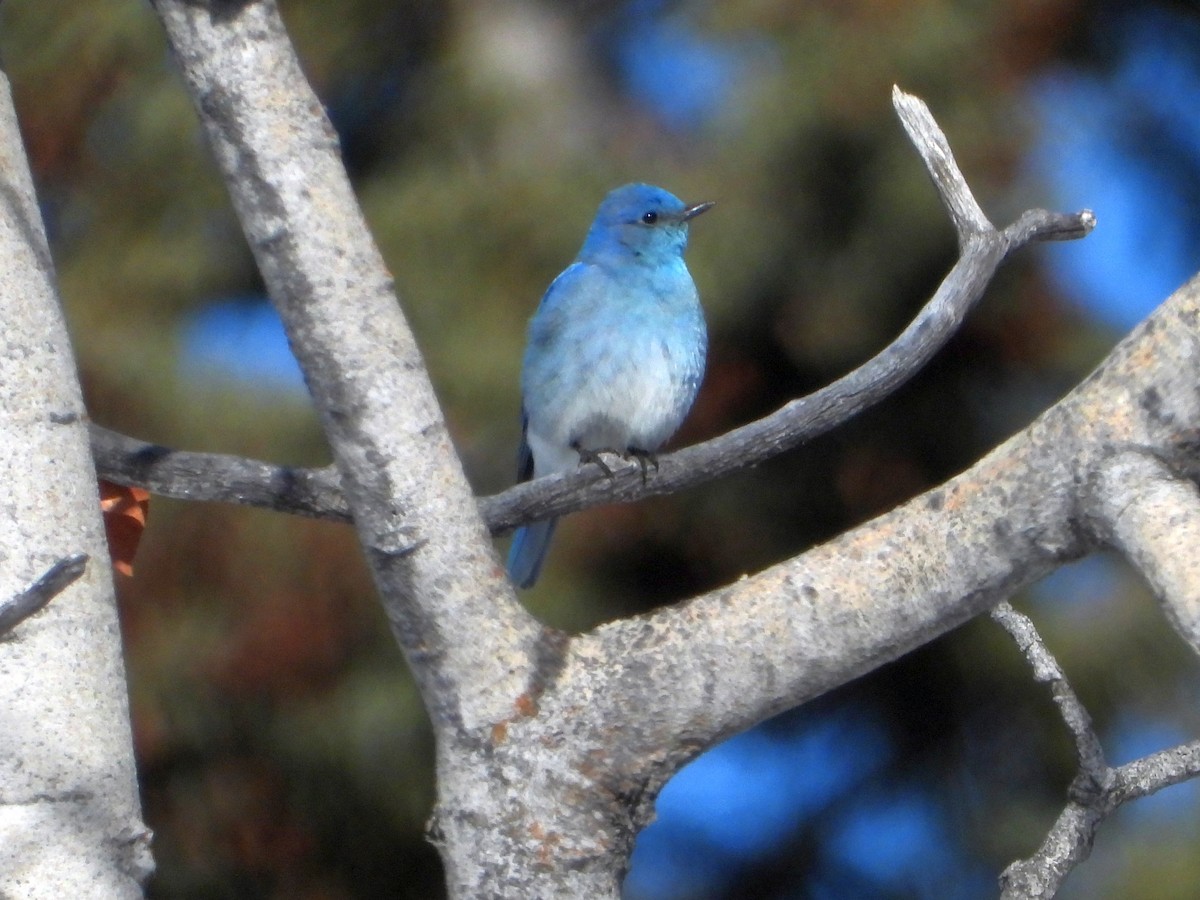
[[778, 638], [35, 598], [1152, 773], [70, 824], [1096, 791], [219, 477], [773, 640], [983, 249], [931, 143], [800, 420], [1046, 670], [1152, 515], [415, 515]]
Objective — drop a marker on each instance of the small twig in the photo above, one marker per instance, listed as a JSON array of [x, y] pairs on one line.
[[1144, 776], [931, 143], [35, 598], [983, 248], [1097, 789], [1046, 670]]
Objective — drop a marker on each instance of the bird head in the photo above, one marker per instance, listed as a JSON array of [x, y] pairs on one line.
[[643, 222]]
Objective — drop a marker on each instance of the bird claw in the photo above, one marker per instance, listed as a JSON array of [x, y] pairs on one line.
[[594, 456], [644, 458]]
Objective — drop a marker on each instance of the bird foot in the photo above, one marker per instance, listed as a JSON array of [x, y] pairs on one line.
[[644, 458], [595, 456]]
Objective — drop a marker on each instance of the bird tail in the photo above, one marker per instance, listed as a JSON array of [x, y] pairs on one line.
[[528, 550]]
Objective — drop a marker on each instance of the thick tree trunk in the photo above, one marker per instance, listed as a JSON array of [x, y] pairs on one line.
[[69, 814]]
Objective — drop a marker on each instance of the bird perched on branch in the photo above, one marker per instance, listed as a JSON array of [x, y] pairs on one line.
[[615, 351]]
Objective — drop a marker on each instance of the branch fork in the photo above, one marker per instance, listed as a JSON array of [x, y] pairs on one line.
[[552, 749], [1096, 791]]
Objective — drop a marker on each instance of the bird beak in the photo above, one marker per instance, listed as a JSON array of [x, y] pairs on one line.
[[696, 208]]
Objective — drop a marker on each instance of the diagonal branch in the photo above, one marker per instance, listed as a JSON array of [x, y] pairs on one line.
[[1096, 791], [686, 676], [983, 249], [965, 213], [1046, 670], [415, 515], [808, 417], [36, 597], [1152, 515]]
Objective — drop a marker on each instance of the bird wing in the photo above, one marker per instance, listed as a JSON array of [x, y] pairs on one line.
[[545, 329], [524, 454], [571, 284]]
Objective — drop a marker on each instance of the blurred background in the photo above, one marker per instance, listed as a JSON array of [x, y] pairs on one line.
[[282, 748]]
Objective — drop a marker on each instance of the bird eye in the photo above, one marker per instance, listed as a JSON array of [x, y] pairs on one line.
[[650, 218]]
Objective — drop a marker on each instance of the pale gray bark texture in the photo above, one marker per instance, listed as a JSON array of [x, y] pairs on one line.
[[69, 815], [551, 749], [1152, 514], [471, 646]]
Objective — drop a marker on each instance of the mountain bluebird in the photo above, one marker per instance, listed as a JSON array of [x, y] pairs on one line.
[[615, 351]]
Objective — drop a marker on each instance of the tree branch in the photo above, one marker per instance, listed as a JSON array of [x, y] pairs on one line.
[[1096, 791], [983, 249], [1046, 670], [1152, 514], [219, 477], [70, 823], [417, 521], [35, 598], [965, 213], [686, 676], [551, 751]]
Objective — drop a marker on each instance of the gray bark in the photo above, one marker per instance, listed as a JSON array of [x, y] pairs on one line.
[[1097, 790], [552, 748], [69, 815]]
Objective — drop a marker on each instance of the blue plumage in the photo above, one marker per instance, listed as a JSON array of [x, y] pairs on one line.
[[615, 351]]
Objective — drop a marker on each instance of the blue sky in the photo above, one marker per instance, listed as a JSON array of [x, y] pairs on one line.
[[1125, 142], [239, 341]]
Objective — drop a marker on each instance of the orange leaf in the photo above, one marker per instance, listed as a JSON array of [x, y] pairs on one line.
[[125, 510]]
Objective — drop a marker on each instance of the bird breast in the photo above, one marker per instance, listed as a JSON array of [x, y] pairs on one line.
[[618, 366]]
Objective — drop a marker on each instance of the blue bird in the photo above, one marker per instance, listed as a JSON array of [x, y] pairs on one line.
[[615, 351]]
